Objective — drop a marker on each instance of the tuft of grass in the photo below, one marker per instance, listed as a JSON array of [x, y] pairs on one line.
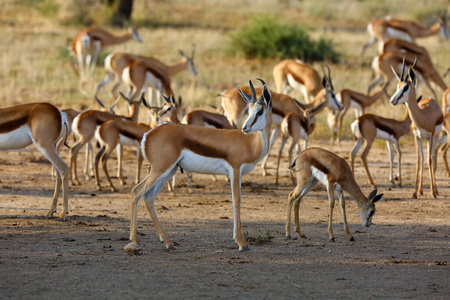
[[267, 37], [261, 238]]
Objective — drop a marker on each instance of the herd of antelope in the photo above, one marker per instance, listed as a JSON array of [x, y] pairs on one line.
[[209, 142]]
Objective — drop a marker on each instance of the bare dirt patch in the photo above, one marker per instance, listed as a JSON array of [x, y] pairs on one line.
[[404, 254]]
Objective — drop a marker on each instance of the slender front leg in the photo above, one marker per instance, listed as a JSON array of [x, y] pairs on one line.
[[119, 150], [275, 133], [236, 194], [340, 194], [355, 150], [330, 190], [280, 152], [399, 155], [431, 157], [391, 162], [419, 152]]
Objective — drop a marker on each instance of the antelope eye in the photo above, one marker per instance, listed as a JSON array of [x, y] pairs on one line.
[[260, 112], [405, 88], [371, 213]]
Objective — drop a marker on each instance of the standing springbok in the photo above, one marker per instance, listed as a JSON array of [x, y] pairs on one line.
[[115, 63], [87, 44], [428, 120], [350, 99], [203, 150], [298, 75], [385, 28], [446, 146], [369, 127], [297, 126], [317, 164], [42, 124], [85, 125]]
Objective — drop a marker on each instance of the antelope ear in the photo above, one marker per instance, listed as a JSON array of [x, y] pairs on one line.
[[319, 107], [372, 194], [145, 103], [377, 198], [396, 74], [266, 94], [412, 77], [166, 99], [299, 104], [124, 97], [244, 96]]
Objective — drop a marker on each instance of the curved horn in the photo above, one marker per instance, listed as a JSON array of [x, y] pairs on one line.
[[415, 62], [403, 69], [168, 101], [252, 88], [329, 77], [99, 102]]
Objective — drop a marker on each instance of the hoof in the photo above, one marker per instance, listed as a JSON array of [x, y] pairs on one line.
[[132, 247], [171, 247], [302, 236], [332, 240], [244, 249], [352, 239], [287, 238], [414, 196]]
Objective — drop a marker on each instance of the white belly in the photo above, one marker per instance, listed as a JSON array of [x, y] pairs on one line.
[[17, 139], [397, 34], [276, 119], [152, 81], [193, 162], [383, 135], [123, 140], [297, 85], [357, 107], [319, 175]]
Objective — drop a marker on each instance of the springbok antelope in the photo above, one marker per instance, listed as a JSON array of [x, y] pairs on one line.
[[85, 125], [129, 133], [297, 126], [203, 150], [427, 118], [298, 75], [325, 95], [317, 164], [140, 76], [41, 124], [425, 70], [385, 28], [369, 127], [349, 99], [87, 44], [115, 63], [398, 45]]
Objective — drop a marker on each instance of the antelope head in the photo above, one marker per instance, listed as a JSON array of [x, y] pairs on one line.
[[259, 110], [368, 212], [330, 96], [406, 83], [190, 60]]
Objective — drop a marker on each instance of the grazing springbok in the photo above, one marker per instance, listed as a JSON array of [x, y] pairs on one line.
[[298, 75], [85, 125], [369, 127], [44, 125], [87, 44], [427, 119], [316, 165], [297, 126], [115, 63], [383, 29], [203, 150], [349, 99]]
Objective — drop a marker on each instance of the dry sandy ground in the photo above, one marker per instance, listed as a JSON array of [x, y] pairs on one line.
[[404, 254]]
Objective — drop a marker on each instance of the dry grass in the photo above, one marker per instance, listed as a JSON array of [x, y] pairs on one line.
[[35, 65]]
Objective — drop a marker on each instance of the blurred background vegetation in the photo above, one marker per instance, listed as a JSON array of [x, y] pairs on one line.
[[235, 41]]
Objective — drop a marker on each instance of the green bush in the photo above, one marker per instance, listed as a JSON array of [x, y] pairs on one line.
[[266, 37]]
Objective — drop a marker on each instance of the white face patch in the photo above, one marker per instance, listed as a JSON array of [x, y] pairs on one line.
[[255, 111], [16, 139], [401, 94]]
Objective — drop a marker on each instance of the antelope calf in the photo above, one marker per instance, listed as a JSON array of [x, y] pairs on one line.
[[369, 127], [44, 125], [316, 165]]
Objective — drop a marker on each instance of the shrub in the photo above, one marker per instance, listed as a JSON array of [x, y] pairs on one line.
[[266, 37]]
